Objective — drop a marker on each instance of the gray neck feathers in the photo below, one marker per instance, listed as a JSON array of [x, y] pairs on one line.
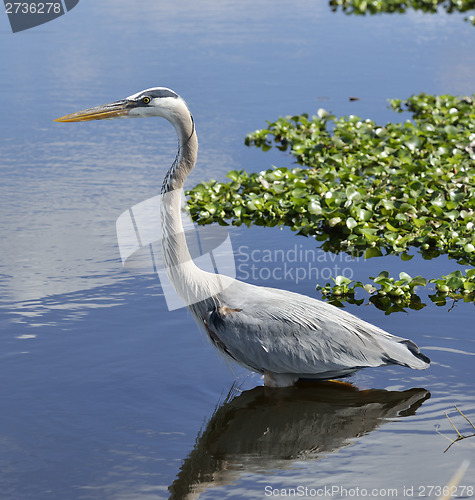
[[189, 281], [186, 156]]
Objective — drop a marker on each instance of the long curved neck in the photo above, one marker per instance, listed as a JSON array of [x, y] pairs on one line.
[[190, 282], [187, 151]]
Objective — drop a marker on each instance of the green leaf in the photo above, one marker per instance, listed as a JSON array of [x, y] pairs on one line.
[[382, 275], [299, 193], [414, 143], [372, 252], [314, 207], [351, 223], [234, 175], [342, 280], [418, 281], [455, 283]]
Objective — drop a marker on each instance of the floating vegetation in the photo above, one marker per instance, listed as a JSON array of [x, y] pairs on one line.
[[387, 294], [460, 436], [363, 7], [454, 286], [360, 187], [391, 295]]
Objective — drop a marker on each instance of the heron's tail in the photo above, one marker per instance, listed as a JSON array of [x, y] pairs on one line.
[[404, 352]]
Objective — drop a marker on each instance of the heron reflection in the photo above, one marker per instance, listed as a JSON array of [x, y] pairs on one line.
[[266, 429]]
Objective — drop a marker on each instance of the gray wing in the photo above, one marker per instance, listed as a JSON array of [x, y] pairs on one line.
[[273, 330]]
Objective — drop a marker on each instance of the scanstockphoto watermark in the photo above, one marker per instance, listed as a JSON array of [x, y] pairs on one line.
[[334, 491], [30, 13], [297, 264], [338, 491]]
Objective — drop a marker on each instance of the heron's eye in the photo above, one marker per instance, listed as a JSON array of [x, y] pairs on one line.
[[146, 100]]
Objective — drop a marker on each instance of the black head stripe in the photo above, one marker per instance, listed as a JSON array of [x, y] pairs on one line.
[[150, 94], [161, 93]]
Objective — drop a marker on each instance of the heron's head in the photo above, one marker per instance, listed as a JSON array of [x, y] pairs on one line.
[[157, 101]]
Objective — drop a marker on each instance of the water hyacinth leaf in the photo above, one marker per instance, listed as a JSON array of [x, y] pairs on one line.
[[334, 221], [364, 215], [469, 248], [455, 283], [351, 223], [413, 143], [470, 273], [342, 280], [387, 204], [383, 275], [372, 252], [234, 175], [369, 288], [299, 193], [314, 207], [418, 281], [404, 277]]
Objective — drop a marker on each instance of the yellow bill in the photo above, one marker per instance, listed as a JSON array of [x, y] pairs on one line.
[[116, 109]]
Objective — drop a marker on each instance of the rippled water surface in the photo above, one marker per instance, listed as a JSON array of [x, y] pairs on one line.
[[105, 394]]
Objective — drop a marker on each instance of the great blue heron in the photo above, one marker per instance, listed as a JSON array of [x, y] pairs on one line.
[[283, 335]]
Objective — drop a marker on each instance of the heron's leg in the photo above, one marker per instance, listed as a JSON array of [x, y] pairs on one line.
[[279, 379]]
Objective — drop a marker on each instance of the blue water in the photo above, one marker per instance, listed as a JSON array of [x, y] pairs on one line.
[[105, 394]]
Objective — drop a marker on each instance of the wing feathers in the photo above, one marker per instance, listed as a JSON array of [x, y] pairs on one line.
[[274, 330]]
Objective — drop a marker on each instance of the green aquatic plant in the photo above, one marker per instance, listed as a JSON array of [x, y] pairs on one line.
[[360, 187], [454, 286], [386, 293], [366, 190], [393, 295], [363, 7]]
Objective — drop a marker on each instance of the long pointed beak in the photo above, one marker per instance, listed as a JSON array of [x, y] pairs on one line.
[[116, 109]]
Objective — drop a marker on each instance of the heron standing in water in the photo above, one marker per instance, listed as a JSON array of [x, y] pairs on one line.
[[283, 335]]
